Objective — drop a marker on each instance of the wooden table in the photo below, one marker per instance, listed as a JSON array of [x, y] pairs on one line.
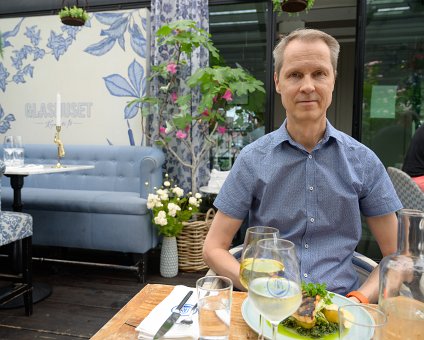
[[122, 325]]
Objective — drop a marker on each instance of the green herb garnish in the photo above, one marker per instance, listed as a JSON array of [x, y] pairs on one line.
[[314, 289]]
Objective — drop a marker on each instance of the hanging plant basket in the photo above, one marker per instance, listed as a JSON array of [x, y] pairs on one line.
[[73, 16], [70, 21], [293, 6]]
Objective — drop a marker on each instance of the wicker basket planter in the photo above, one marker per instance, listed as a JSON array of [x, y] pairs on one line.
[[190, 243]]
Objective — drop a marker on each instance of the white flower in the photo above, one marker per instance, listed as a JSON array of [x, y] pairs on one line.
[[193, 201], [160, 219], [198, 196], [178, 191], [163, 194], [167, 183], [152, 200], [172, 209]]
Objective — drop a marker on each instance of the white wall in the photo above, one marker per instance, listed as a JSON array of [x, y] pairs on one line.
[[97, 69]]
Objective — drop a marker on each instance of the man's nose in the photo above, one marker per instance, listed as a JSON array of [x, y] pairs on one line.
[[307, 84]]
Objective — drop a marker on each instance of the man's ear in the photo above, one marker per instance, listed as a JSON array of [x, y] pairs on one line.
[[276, 82]]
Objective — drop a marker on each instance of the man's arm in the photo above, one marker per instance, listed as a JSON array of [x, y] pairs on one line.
[[384, 229], [217, 244]]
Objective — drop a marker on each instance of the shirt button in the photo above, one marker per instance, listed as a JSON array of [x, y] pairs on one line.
[[305, 275], [306, 246], [310, 156], [312, 220], [311, 188]]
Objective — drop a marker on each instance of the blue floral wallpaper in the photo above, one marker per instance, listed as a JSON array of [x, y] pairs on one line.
[[97, 68]]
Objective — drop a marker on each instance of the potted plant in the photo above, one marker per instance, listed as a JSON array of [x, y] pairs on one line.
[[171, 111], [292, 6], [171, 207], [73, 16]]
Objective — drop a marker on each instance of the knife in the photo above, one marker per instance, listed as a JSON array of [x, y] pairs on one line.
[[166, 326]]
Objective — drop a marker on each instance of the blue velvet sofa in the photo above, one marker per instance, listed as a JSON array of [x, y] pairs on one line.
[[104, 208]]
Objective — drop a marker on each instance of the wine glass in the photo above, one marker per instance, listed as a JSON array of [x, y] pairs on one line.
[[274, 285], [252, 236]]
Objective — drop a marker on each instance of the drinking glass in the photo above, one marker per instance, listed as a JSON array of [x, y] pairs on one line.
[[361, 322], [8, 151], [274, 286], [252, 236], [18, 151], [214, 295]]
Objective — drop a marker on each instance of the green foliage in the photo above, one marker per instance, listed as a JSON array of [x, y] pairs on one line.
[[1, 45], [171, 208], [314, 289], [74, 12], [172, 106]]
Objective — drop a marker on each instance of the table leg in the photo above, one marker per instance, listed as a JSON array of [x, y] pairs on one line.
[[40, 290], [17, 183]]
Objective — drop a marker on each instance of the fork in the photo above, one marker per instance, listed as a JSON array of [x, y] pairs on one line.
[[188, 320]]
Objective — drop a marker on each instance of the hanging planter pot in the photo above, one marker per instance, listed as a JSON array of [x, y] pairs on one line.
[[74, 16], [292, 6]]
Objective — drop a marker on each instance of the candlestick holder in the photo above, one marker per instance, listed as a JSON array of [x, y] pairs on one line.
[[60, 147]]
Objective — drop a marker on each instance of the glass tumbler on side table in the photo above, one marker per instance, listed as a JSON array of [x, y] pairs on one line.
[[401, 293], [18, 151], [8, 151], [252, 236]]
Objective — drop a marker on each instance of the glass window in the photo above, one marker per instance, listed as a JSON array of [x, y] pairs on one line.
[[393, 93], [239, 32]]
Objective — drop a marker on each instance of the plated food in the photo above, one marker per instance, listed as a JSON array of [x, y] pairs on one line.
[[317, 317]]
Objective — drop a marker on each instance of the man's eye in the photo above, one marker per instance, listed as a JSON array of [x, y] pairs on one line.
[[295, 75]]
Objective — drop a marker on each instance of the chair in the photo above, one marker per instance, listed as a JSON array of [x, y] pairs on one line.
[[362, 264], [407, 190], [16, 230]]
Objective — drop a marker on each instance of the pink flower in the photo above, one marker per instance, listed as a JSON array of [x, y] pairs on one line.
[[174, 97], [221, 129], [171, 67], [181, 135], [162, 129], [228, 95], [205, 112]]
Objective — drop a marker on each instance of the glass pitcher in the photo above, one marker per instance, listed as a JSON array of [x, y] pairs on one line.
[[401, 291]]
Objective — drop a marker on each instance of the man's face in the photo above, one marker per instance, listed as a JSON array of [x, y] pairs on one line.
[[306, 80]]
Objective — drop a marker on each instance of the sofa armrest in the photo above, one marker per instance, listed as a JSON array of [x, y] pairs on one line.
[[151, 174]]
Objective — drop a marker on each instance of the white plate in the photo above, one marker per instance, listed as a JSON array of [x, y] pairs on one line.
[[251, 316]]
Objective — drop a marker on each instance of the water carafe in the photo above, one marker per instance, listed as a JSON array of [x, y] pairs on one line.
[[401, 291]]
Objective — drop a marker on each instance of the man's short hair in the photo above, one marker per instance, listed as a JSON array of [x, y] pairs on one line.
[[306, 34]]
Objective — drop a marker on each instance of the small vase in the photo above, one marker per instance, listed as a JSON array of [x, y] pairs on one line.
[[169, 257]]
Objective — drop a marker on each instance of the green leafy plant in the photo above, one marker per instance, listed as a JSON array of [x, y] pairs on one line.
[[277, 5], [172, 106], [171, 207], [74, 12]]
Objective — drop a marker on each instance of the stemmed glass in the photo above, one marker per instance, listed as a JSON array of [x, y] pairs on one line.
[[252, 236], [274, 286]]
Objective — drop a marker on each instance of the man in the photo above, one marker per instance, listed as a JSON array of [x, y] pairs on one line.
[[414, 159], [308, 179]]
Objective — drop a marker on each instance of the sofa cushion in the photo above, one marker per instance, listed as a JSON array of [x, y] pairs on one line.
[[111, 202]]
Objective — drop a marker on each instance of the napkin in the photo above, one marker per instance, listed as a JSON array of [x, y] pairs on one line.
[[151, 324]]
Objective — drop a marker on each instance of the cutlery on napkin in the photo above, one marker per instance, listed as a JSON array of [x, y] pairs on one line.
[[150, 325]]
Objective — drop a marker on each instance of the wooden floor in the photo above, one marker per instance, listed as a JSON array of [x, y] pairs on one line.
[[83, 299]]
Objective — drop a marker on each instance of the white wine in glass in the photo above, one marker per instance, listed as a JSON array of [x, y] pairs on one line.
[[252, 236], [276, 294]]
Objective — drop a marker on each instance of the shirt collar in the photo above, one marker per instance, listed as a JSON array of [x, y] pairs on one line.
[[281, 135]]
